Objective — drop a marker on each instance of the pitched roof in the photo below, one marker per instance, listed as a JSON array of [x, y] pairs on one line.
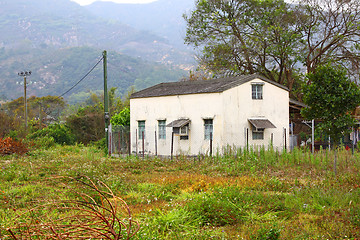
[[204, 86]]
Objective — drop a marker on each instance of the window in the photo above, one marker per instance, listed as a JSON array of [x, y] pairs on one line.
[[162, 129], [257, 91], [141, 126], [208, 126], [258, 135]]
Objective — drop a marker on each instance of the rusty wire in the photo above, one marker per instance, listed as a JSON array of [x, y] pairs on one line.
[[94, 213]]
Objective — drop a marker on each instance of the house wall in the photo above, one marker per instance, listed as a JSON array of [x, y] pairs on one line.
[[195, 107], [239, 107], [230, 111]]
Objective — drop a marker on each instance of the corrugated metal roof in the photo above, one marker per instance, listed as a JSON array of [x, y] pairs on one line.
[[261, 123], [178, 123], [196, 87]]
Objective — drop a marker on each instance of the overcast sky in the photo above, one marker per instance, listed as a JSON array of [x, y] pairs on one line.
[[86, 2]]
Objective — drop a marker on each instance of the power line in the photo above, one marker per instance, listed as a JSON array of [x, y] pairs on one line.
[[82, 78]]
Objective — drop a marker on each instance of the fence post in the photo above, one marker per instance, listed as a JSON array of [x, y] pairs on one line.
[[247, 139], [143, 143], [155, 144], [119, 143], [129, 143], [211, 143], [285, 145], [136, 139], [110, 143], [172, 144]]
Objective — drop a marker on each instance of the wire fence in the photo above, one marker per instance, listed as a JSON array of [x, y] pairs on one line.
[[197, 140], [119, 140]]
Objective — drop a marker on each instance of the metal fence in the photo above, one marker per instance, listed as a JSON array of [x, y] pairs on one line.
[[119, 140]]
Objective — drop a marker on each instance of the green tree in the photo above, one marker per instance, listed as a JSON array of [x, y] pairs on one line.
[[331, 97], [122, 118], [274, 38], [245, 37]]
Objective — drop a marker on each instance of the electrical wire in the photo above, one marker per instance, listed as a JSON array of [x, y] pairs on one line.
[[82, 78]]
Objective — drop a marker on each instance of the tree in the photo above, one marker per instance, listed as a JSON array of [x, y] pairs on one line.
[[331, 97], [122, 118], [246, 36], [281, 41], [331, 32]]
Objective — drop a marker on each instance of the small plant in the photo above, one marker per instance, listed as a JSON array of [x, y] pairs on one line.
[[268, 233], [93, 213]]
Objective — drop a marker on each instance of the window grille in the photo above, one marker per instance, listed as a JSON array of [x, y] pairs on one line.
[[162, 129], [257, 91], [141, 126], [208, 126]]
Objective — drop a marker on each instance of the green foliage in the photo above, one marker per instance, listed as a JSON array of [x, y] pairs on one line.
[[266, 233], [269, 45], [87, 124], [59, 133], [331, 97], [122, 118], [275, 38], [187, 198]]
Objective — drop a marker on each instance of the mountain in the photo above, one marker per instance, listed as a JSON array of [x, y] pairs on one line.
[[56, 70], [63, 23], [163, 17], [58, 40]]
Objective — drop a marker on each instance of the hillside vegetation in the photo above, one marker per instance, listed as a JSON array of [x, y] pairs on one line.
[[241, 195], [59, 41], [55, 71]]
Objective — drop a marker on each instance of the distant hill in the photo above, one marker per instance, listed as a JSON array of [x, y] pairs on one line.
[[55, 71], [63, 23], [163, 17], [58, 40]]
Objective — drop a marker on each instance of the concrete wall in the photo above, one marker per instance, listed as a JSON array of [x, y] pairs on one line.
[[230, 111]]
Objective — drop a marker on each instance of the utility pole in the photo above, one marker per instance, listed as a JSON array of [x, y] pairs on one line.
[[25, 74], [106, 102]]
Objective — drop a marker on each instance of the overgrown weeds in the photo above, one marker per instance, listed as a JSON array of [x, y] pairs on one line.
[[249, 194], [89, 211]]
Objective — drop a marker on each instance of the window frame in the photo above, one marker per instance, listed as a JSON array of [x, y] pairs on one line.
[[141, 129], [162, 129], [257, 91], [258, 135], [208, 128]]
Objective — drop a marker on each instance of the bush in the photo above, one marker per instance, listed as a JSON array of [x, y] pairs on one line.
[[59, 132], [44, 142]]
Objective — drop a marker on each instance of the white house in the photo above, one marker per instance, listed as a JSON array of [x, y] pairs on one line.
[[193, 117]]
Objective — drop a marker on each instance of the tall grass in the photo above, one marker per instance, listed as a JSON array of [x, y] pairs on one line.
[[254, 193]]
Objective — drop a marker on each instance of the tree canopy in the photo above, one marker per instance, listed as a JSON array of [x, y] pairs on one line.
[[331, 97], [279, 40]]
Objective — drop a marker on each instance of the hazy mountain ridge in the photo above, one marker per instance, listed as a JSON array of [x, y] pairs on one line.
[[163, 17], [55, 71], [39, 31]]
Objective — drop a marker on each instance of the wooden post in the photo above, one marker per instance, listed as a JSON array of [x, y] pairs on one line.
[[247, 139], [136, 139], [285, 145], [211, 143], [155, 144], [172, 145], [129, 143], [143, 144], [119, 142]]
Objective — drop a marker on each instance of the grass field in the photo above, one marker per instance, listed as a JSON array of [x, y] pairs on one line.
[[241, 195]]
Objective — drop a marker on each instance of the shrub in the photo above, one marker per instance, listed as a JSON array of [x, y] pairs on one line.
[[59, 132], [44, 142]]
